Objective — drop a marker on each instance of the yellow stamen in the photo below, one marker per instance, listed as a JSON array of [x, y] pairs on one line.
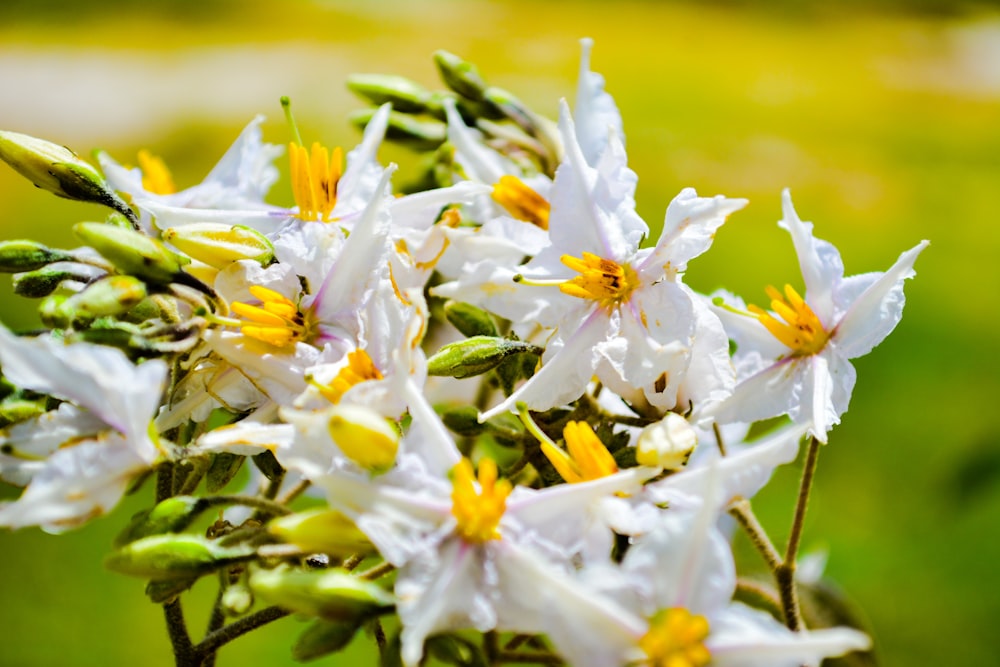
[[801, 330], [156, 177], [315, 176], [478, 514], [360, 368], [277, 321], [601, 280], [676, 639], [587, 458], [521, 201]]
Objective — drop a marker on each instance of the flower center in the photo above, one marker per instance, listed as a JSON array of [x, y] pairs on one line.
[[585, 457], [521, 201], [315, 176], [276, 321], [478, 514], [156, 177], [675, 639], [360, 368], [801, 330], [602, 280]]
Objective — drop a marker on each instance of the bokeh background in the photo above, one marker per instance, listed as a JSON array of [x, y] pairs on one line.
[[883, 118]]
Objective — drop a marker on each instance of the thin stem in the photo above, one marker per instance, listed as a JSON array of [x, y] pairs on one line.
[[378, 571], [164, 481], [759, 595], [260, 504], [226, 634], [516, 642], [199, 466], [380, 640], [491, 647], [718, 438], [352, 562], [184, 653], [743, 513], [785, 574], [215, 621], [530, 658], [294, 492]]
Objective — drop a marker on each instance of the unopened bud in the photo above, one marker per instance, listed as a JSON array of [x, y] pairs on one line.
[[15, 408], [322, 638], [405, 96], [321, 531], [237, 599], [51, 313], [132, 252], [219, 245], [161, 591], [470, 320], [58, 170], [476, 355], [463, 421], [172, 557], [460, 75], [511, 107], [17, 256], [109, 296], [364, 436], [168, 516], [334, 594], [44, 281], [420, 135], [666, 444]]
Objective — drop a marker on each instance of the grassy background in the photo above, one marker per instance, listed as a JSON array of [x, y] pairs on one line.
[[884, 125]]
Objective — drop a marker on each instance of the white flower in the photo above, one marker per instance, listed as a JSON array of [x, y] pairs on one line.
[[795, 361], [80, 458]]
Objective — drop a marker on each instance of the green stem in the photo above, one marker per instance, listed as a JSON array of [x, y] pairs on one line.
[[294, 492], [785, 573], [530, 658], [236, 629], [741, 510], [184, 653], [718, 438], [261, 504], [164, 481], [378, 571]]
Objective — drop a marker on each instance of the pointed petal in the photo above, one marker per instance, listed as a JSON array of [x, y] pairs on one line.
[[820, 263], [596, 113]]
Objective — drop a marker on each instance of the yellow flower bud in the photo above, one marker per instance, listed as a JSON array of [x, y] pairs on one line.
[[333, 594], [321, 531], [364, 436], [219, 245]]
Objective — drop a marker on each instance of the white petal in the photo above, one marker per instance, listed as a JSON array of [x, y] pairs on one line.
[[774, 391], [596, 114], [820, 263], [359, 183]]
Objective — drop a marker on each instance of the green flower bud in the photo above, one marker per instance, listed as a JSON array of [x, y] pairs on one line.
[[132, 252], [51, 313], [45, 281], [334, 594], [364, 436], [15, 408], [323, 638], [18, 256], [460, 75], [58, 170], [172, 557], [470, 320], [321, 531], [420, 135], [405, 96], [476, 355], [511, 107], [237, 599], [224, 467], [463, 421], [666, 444], [168, 516], [162, 591], [109, 296], [219, 245]]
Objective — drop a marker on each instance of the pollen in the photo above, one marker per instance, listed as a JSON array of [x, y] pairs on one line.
[[521, 201], [801, 330], [156, 177], [585, 458], [602, 280], [360, 368], [315, 175], [478, 514], [676, 639], [276, 321]]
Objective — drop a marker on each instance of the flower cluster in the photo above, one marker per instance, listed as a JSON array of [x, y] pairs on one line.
[[498, 398]]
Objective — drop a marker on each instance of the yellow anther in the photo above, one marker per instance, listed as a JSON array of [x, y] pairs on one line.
[[315, 176], [478, 514], [676, 639], [585, 458], [360, 368], [801, 330], [277, 321], [156, 177], [602, 280], [521, 201]]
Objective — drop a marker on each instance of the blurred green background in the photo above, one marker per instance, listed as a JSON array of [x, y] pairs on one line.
[[885, 124]]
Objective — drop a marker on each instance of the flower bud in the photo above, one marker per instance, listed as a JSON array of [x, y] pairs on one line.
[[51, 313], [460, 75], [476, 355], [161, 591], [405, 96], [18, 256], [463, 421], [132, 252], [470, 320], [420, 135], [219, 245], [334, 594], [321, 531], [172, 557], [58, 170], [168, 516], [237, 599], [666, 444], [511, 107], [44, 281], [322, 638], [15, 408], [109, 296], [364, 436]]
